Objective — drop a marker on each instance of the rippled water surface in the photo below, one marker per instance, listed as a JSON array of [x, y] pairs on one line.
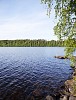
[[31, 72]]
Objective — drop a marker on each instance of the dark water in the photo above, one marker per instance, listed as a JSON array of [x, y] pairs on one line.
[[31, 72]]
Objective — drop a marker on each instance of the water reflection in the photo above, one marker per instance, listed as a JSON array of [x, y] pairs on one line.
[[27, 73]]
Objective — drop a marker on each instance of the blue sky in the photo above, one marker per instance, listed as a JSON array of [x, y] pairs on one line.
[[25, 19]]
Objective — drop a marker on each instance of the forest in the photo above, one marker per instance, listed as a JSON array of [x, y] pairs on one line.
[[32, 43]]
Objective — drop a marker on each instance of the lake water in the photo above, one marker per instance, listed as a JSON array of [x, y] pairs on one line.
[[31, 71]]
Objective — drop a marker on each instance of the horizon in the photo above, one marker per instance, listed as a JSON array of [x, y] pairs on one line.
[[25, 19], [28, 39]]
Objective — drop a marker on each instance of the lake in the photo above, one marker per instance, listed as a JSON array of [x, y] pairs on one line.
[[27, 72]]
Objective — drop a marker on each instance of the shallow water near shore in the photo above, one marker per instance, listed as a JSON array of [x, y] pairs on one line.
[[32, 71]]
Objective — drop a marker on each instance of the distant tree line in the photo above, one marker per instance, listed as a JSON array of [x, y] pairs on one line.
[[32, 43]]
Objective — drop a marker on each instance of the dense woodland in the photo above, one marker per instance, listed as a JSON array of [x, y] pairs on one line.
[[31, 43]]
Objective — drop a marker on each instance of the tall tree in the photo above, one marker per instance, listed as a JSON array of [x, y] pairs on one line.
[[65, 12]]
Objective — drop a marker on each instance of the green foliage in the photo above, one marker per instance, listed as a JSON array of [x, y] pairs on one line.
[[31, 43], [65, 12]]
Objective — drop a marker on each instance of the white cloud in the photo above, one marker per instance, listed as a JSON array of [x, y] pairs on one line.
[[32, 26]]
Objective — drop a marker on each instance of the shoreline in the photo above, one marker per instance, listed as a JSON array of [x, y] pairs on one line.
[[68, 91], [65, 92]]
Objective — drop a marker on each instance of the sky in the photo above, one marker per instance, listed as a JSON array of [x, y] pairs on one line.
[[25, 19]]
